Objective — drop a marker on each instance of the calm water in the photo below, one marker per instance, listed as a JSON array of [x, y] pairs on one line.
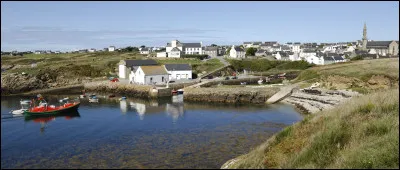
[[138, 134]]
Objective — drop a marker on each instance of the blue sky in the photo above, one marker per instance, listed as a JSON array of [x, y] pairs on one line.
[[78, 25]]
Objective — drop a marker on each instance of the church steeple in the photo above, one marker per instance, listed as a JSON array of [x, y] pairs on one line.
[[364, 39]]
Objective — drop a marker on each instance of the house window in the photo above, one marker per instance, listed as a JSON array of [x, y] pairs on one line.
[[162, 79], [151, 79]]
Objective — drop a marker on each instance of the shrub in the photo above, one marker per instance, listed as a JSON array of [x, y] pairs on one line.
[[200, 57], [357, 58]]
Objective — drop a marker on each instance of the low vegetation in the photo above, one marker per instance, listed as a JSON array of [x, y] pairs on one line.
[[361, 133], [93, 65], [264, 65]]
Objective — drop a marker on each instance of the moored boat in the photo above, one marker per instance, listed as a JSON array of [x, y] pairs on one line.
[[180, 91], [25, 101], [174, 92]]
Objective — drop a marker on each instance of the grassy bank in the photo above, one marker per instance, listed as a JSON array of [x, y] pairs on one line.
[[92, 65], [361, 133], [363, 76]]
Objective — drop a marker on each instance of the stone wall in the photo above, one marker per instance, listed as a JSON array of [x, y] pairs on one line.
[[142, 91]]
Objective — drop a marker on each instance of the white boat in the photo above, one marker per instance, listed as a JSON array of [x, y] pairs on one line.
[[94, 100], [180, 91], [64, 99], [260, 81], [18, 112], [25, 101]]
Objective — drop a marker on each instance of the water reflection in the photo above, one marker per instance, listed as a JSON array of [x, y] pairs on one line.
[[175, 110], [140, 109], [123, 105], [43, 120]]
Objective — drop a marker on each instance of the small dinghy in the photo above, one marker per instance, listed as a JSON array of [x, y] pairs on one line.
[[64, 99], [180, 91], [174, 92], [93, 99], [18, 112], [25, 101]]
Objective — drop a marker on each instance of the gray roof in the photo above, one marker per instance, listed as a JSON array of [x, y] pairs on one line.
[[171, 67], [211, 48], [260, 51], [284, 54], [175, 49], [246, 42], [145, 49], [378, 43], [191, 45], [130, 63], [337, 57], [328, 59], [238, 49], [257, 43], [297, 43], [285, 47], [309, 50]]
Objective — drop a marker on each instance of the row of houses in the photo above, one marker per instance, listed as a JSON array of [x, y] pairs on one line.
[[148, 72]]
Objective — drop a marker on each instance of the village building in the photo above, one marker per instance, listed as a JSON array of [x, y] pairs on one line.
[[179, 71]]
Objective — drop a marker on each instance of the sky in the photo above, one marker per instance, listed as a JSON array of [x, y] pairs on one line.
[[81, 25]]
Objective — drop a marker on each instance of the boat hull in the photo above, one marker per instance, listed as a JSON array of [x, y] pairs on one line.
[[53, 112]]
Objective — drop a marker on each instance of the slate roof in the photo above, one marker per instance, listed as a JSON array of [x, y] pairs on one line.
[[154, 70], [211, 48], [175, 49], [257, 43], [238, 49], [145, 49], [337, 57], [130, 63], [378, 43], [260, 51], [191, 45], [246, 42], [178, 67], [297, 43], [285, 48], [328, 59], [309, 50]]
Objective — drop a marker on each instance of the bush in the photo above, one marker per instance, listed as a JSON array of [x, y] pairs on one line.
[[200, 57], [300, 65], [357, 58]]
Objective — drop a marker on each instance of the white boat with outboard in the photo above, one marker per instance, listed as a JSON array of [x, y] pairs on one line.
[[25, 101]]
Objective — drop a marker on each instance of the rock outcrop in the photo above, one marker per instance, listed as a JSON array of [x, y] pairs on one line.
[[318, 99], [229, 95]]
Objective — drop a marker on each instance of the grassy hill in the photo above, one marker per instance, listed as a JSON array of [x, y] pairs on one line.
[[361, 133], [89, 64]]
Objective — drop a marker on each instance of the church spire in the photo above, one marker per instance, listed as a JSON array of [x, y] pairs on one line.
[[364, 39]]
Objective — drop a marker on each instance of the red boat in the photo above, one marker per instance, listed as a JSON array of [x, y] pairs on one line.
[[52, 110]]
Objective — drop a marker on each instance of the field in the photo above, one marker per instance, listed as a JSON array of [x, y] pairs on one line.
[[89, 64]]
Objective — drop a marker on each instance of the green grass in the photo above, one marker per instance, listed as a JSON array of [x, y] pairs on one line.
[[360, 133], [93, 65]]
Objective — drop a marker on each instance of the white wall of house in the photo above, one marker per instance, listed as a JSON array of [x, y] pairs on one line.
[[181, 74], [278, 56], [372, 51], [313, 59], [193, 50], [111, 48], [350, 49], [296, 48], [122, 70], [139, 76], [157, 79], [144, 52], [174, 54], [162, 54]]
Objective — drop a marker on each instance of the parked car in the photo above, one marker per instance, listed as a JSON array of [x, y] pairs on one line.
[[234, 77], [172, 81], [226, 78]]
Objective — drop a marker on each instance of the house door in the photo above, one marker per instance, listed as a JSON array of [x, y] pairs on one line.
[[151, 80]]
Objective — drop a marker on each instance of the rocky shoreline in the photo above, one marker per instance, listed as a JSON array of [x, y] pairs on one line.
[[315, 100], [230, 95]]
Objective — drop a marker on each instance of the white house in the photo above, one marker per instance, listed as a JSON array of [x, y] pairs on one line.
[[126, 67], [294, 57], [111, 48], [179, 71], [295, 47], [176, 47], [145, 50], [313, 59], [350, 49], [92, 50], [149, 75], [237, 52]]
